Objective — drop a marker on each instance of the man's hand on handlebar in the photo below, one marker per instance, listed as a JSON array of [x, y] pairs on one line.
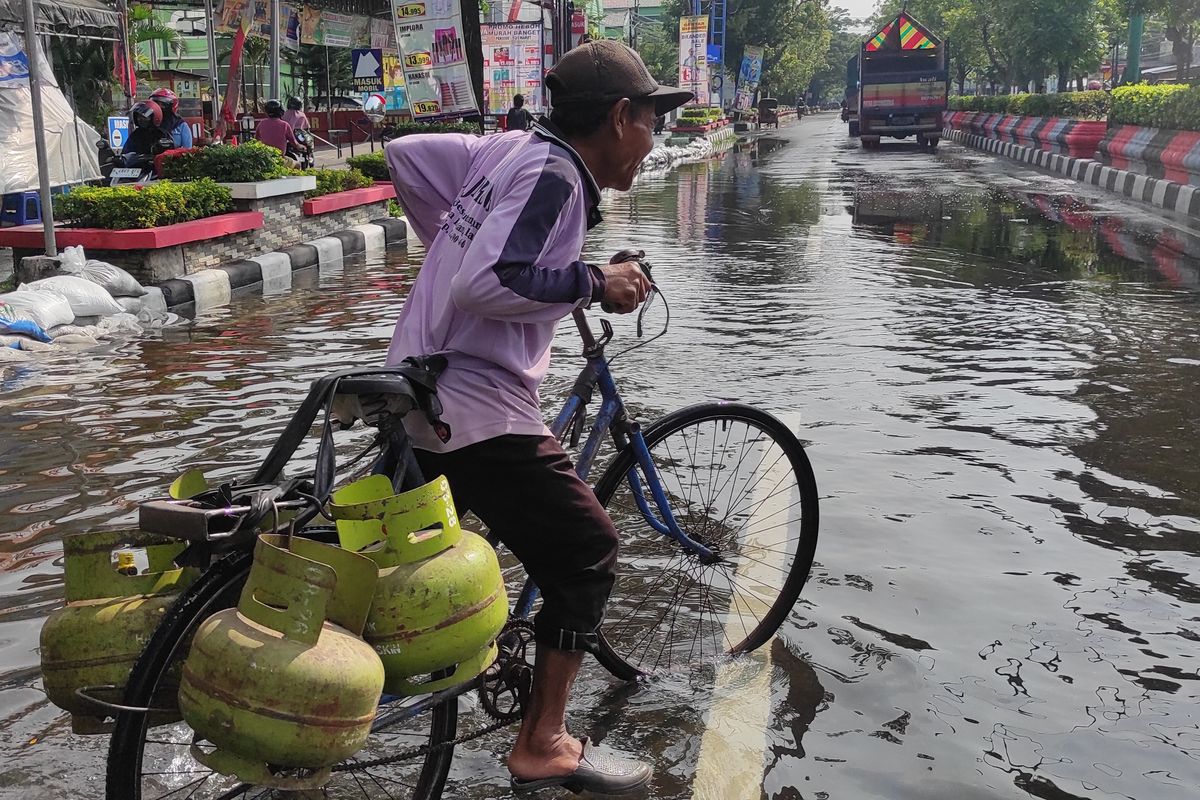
[[626, 286]]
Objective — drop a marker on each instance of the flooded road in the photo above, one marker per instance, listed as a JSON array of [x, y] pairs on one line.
[[994, 373]]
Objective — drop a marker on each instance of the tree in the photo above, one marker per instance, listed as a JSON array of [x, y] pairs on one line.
[[844, 43], [145, 27], [1182, 24]]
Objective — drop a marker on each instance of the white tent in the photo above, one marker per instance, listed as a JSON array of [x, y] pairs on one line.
[[71, 154]]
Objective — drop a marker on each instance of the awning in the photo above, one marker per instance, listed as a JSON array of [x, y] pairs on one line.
[[78, 17]]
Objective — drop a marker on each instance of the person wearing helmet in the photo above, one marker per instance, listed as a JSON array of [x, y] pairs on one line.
[[275, 131], [295, 115], [174, 125], [145, 131]]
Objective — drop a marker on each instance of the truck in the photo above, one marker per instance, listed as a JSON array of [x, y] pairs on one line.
[[850, 101], [903, 84]]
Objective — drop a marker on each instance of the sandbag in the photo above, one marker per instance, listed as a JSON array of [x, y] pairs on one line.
[[76, 339], [10, 325], [119, 323], [131, 305], [116, 281], [11, 354], [86, 298], [45, 309]]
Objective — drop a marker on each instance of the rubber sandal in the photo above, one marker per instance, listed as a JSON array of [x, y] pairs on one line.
[[600, 771]]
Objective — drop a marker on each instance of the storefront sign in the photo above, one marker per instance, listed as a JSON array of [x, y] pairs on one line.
[[512, 65]]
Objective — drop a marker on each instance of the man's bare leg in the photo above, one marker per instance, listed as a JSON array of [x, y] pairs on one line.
[[544, 749]]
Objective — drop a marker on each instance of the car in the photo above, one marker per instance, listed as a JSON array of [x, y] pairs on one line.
[[341, 102]]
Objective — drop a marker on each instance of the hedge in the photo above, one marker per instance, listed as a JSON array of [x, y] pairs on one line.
[[1073, 105], [149, 206], [330, 181], [1171, 106], [396, 130], [373, 165], [245, 163]]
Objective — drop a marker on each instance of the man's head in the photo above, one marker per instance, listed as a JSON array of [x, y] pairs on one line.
[[605, 102], [518, 100]]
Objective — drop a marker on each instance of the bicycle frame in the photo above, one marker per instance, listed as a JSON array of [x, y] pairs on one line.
[[612, 417]]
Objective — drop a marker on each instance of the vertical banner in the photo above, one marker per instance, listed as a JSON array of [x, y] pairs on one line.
[[748, 77], [290, 17], [512, 65], [693, 56], [429, 34], [578, 28], [394, 95]]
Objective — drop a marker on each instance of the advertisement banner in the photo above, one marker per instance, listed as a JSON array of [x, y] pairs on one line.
[[383, 34], [748, 77], [578, 28], [512, 65], [693, 56], [429, 37], [329, 28], [393, 82]]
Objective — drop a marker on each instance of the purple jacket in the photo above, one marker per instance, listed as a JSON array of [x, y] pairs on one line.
[[504, 219]]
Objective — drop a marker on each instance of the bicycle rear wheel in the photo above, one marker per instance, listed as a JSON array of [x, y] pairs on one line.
[[149, 762], [739, 482]]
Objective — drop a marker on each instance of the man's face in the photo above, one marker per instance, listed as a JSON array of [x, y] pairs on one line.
[[634, 139]]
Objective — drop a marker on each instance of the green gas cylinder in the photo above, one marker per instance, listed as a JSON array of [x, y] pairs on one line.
[[118, 586], [440, 602], [284, 680]]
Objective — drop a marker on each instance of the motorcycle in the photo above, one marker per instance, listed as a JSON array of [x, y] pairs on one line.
[[126, 168], [303, 155]]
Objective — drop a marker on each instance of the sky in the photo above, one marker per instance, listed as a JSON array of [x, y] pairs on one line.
[[857, 8]]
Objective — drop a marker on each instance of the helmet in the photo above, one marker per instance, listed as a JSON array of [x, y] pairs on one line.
[[295, 104], [145, 115], [165, 98], [274, 108]]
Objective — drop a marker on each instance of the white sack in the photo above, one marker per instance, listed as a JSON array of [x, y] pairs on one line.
[[87, 299]]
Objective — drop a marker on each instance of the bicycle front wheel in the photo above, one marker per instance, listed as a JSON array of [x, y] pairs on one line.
[[150, 760], [739, 483]]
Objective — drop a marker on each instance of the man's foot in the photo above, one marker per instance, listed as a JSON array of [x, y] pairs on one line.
[[599, 771]]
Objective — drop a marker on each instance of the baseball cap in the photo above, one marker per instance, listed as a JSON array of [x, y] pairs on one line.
[[606, 70]]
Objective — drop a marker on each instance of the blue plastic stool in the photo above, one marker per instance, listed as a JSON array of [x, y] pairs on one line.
[[15, 208]]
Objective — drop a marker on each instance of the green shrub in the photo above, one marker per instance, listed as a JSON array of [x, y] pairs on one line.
[[330, 181], [1073, 105], [252, 161], [149, 206], [394, 209], [396, 130], [373, 165], [1159, 106]]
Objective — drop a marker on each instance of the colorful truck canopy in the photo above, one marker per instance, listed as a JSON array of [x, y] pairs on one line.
[[902, 33]]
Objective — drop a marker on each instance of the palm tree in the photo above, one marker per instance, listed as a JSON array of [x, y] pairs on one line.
[[146, 27], [255, 54]]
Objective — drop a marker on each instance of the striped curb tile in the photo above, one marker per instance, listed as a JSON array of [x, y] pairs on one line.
[[271, 273], [1168, 195]]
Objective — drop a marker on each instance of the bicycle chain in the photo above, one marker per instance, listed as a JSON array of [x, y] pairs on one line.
[[513, 641]]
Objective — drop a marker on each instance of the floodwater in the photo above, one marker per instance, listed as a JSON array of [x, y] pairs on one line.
[[995, 378]]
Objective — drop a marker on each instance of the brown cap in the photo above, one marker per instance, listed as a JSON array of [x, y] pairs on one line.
[[604, 71]]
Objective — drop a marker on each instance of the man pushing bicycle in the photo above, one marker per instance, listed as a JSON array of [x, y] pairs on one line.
[[504, 219]]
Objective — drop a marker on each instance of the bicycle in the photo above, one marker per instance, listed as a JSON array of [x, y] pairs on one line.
[[692, 558]]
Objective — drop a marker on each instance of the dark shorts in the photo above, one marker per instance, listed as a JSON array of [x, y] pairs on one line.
[[527, 493]]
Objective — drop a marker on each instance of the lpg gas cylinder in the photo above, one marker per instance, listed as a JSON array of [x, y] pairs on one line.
[[440, 602], [118, 586], [284, 680]]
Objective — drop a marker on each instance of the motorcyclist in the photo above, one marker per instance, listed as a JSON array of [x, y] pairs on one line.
[[145, 132], [295, 115], [177, 130], [276, 132]]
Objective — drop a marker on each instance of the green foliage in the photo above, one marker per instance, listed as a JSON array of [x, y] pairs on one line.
[[373, 165], [1072, 105], [330, 181], [394, 209], [1170, 106], [126, 207], [252, 161], [396, 130]]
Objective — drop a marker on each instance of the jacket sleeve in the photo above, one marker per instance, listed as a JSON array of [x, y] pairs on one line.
[[517, 266], [428, 171]]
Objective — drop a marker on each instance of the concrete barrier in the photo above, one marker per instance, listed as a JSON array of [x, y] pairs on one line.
[[1071, 137], [1156, 152]]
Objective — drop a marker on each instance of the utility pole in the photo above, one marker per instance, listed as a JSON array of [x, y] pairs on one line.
[[1133, 58]]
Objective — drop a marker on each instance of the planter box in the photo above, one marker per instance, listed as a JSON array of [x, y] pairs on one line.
[[338, 201], [30, 236], [261, 190], [1072, 137], [1157, 152]]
